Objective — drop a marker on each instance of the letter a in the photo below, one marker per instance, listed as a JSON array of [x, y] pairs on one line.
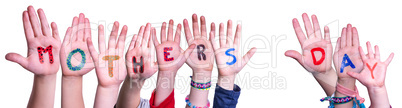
[[349, 62]]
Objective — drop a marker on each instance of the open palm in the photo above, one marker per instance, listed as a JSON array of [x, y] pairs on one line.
[[321, 47], [75, 57], [374, 71], [142, 49], [170, 55], [227, 64], [203, 61], [347, 47], [109, 64], [41, 42]]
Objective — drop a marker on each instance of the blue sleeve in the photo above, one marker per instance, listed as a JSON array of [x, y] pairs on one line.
[[226, 98]]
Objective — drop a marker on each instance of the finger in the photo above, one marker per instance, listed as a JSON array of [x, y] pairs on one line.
[[349, 35], [196, 29], [247, 57], [146, 35], [132, 43], [122, 39], [170, 30], [67, 37], [299, 32], [377, 52], [34, 21], [152, 46], [178, 34], [369, 50], [163, 32], [187, 31], [355, 37], [212, 37], [203, 27], [92, 50], [29, 34], [187, 52], [74, 26], [327, 34], [17, 58], [338, 46], [101, 39], [222, 36], [113, 35], [81, 27], [44, 23], [55, 31], [156, 43], [316, 25], [140, 36], [389, 59], [151, 38], [88, 29], [295, 55], [229, 35], [362, 55], [343, 38], [307, 25], [354, 75], [237, 36]]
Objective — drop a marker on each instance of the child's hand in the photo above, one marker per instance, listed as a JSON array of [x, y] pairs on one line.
[[141, 49], [314, 44], [170, 55], [373, 73], [202, 59], [109, 64], [75, 57], [346, 57], [227, 55], [43, 45]]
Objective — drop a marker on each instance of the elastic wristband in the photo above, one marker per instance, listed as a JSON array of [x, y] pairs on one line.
[[193, 106], [200, 86]]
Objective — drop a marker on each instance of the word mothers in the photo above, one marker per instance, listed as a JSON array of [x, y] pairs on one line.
[[371, 69], [141, 64], [322, 55], [83, 60], [166, 54], [110, 63], [234, 57], [48, 50], [349, 62]]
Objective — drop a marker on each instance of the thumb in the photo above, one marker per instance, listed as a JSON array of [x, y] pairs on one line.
[[187, 52], [17, 58], [295, 55], [247, 57], [354, 75]]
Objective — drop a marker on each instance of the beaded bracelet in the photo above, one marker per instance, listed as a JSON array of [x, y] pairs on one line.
[[189, 103], [337, 100], [200, 86]]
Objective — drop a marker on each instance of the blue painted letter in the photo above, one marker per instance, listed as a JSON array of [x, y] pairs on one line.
[[349, 63], [234, 57]]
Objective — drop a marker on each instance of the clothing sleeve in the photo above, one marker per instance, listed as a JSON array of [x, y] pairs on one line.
[[226, 98], [167, 103], [144, 103]]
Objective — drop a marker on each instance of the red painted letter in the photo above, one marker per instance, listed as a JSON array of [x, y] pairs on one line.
[[322, 55], [371, 69]]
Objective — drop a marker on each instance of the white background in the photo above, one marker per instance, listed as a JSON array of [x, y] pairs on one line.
[[376, 22]]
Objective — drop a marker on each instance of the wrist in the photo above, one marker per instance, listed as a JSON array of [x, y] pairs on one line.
[[377, 90], [349, 83], [134, 84], [201, 76], [226, 82]]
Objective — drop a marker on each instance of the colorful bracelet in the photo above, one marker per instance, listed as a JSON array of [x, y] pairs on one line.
[[337, 100], [200, 86], [193, 106]]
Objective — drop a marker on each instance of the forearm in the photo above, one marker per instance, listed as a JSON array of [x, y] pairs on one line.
[[43, 92], [378, 97], [164, 86], [199, 97], [349, 84], [71, 92], [106, 97], [129, 96], [327, 81]]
